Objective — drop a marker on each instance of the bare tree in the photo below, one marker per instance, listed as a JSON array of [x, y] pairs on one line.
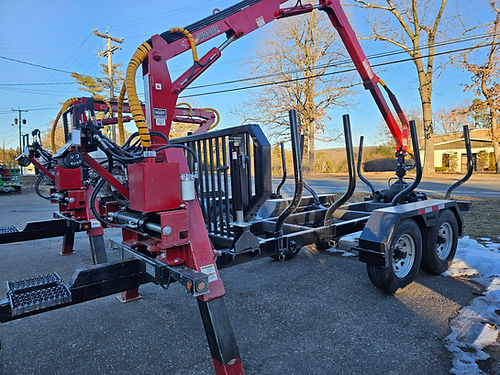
[[485, 81], [453, 119], [417, 23], [296, 54]]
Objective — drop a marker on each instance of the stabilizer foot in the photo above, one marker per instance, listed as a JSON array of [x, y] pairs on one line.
[[129, 296]]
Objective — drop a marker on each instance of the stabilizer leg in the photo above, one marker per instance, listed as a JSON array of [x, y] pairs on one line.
[[98, 249], [220, 337], [68, 242]]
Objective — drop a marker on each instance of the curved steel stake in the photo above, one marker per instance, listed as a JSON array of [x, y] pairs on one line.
[[470, 165], [352, 174], [297, 166], [283, 164], [360, 159]]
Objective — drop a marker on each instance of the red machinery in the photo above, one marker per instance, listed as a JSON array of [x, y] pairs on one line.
[[153, 198]]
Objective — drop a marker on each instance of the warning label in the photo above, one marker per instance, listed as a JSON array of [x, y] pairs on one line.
[[160, 115], [209, 270]]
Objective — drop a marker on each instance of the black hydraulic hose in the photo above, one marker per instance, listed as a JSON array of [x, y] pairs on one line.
[[418, 166], [136, 134], [37, 187], [360, 160], [297, 166], [470, 165], [283, 163], [177, 145], [352, 174]]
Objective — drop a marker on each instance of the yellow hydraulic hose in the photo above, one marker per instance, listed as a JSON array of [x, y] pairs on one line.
[[216, 113], [187, 105], [135, 105], [102, 99], [190, 39], [121, 98], [65, 106]]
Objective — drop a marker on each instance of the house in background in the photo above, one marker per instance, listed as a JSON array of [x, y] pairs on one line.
[[450, 153]]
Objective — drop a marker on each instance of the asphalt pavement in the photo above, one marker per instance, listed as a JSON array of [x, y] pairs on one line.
[[315, 314]]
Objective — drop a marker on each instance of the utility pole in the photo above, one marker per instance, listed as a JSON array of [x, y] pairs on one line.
[[109, 52], [19, 121], [3, 150]]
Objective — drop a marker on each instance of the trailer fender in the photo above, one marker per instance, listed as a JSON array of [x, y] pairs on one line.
[[376, 236]]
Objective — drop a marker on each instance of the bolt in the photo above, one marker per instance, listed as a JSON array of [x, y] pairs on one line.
[[71, 200], [156, 56], [166, 230]]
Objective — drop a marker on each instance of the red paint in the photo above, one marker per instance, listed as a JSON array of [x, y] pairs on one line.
[[67, 179], [154, 186], [106, 175], [235, 368]]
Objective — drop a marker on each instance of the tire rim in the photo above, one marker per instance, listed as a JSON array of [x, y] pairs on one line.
[[445, 241], [403, 255]]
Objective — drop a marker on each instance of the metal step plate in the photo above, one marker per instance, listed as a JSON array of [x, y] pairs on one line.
[[37, 293], [9, 229]]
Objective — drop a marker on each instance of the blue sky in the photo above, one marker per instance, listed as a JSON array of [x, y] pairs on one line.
[[58, 34]]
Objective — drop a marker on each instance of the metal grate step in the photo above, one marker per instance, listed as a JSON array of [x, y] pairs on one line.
[[37, 293], [9, 229]]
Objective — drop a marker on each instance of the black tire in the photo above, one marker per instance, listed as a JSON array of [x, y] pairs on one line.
[[440, 243], [399, 273]]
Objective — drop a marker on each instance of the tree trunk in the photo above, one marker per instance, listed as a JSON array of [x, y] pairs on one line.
[[495, 138], [311, 147], [425, 96]]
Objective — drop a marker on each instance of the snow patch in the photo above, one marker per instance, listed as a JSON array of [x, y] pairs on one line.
[[477, 325], [348, 254]]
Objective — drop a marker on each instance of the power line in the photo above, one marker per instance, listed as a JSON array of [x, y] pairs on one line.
[[36, 65], [339, 63], [37, 84], [329, 73]]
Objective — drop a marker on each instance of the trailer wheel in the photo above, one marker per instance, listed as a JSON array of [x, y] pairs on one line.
[[405, 255], [440, 244]]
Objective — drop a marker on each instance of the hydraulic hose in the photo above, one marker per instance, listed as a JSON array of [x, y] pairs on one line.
[[190, 38], [187, 105], [121, 98], [216, 113], [103, 99], [65, 106], [135, 105], [39, 179]]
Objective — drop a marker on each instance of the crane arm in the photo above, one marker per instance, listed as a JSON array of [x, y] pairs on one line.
[[236, 21]]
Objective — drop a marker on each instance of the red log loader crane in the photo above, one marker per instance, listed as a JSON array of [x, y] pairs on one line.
[[189, 205]]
